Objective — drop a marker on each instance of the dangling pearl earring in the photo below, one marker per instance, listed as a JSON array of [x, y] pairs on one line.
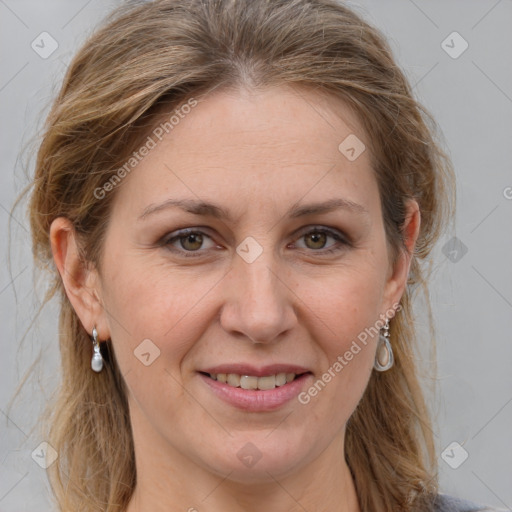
[[384, 359], [97, 360]]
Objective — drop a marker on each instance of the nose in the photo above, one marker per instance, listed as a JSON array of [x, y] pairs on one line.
[[259, 303]]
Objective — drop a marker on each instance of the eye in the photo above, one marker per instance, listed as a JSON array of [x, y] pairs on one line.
[[317, 237], [189, 240]]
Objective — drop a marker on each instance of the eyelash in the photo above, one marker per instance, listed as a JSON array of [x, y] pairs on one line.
[[192, 254]]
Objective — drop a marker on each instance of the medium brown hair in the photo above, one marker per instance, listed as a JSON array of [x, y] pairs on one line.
[[151, 57]]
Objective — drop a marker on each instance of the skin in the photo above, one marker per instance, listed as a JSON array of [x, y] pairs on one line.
[[256, 154]]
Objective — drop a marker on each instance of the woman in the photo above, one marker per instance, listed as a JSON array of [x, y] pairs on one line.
[[238, 198]]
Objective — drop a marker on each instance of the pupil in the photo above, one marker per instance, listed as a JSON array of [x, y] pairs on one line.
[[193, 238], [318, 237]]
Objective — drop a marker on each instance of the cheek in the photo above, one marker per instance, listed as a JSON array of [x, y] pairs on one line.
[[148, 301], [346, 302], [344, 311]]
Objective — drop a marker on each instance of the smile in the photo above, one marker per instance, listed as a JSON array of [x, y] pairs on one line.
[[256, 393], [252, 381]]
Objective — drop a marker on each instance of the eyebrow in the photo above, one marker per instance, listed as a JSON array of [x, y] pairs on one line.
[[198, 207]]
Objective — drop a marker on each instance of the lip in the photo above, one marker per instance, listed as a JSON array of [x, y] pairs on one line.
[[247, 369], [256, 400]]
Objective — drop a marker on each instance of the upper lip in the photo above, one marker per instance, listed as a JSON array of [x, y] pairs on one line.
[[262, 371]]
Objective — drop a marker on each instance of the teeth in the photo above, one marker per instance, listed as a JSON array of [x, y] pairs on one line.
[[281, 379], [248, 382], [252, 382], [233, 380], [266, 382]]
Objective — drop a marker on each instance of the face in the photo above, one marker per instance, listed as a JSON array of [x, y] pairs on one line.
[[279, 274]]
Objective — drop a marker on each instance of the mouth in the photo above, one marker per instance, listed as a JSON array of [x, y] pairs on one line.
[[253, 382], [254, 389]]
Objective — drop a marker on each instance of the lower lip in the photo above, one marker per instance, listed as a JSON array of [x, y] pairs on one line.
[[257, 400]]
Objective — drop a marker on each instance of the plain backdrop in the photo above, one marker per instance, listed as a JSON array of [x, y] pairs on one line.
[[469, 92]]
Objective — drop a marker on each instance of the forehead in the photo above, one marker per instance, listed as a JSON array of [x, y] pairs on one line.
[[255, 148]]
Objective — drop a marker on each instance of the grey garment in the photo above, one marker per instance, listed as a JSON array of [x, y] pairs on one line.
[[446, 503]]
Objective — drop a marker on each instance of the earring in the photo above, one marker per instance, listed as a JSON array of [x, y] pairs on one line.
[[384, 357], [97, 360]]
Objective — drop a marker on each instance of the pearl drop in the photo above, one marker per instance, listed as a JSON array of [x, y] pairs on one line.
[[97, 362]]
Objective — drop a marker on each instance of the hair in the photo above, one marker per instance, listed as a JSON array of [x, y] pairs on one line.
[[149, 58]]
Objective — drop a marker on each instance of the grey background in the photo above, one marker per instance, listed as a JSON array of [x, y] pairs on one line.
[[471, 99]]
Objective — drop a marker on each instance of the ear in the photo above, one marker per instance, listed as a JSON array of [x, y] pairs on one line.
[[81, 281], [399, 272]]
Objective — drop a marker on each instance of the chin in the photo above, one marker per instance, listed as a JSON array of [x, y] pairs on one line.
[[258, 459]]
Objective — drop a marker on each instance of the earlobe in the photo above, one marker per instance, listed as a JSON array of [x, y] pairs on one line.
[[78, 278]]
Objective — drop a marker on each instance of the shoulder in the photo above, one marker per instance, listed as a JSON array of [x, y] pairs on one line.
[[447, 503]]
